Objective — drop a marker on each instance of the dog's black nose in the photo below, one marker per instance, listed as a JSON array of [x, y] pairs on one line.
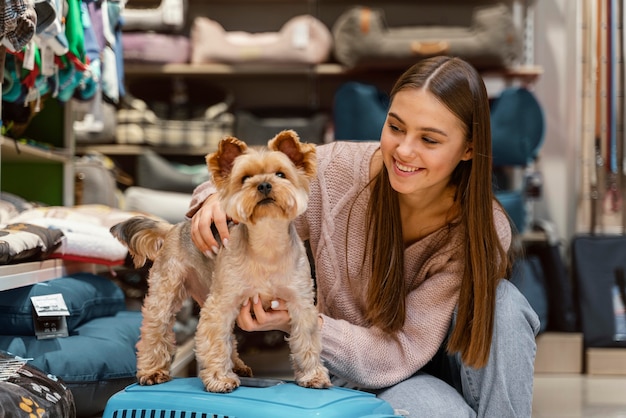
[[264, 188]]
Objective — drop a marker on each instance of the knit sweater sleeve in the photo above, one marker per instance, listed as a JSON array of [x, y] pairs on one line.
[[199, 195], [371, 358]]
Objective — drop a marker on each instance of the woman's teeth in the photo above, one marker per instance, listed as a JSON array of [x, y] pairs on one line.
[[405, 168]]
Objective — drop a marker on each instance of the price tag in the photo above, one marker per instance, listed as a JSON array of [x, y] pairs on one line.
[[49, 312]]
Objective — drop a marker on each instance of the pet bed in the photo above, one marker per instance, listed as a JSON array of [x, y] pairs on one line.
[[164, 16], [87, 296], [98, 358], [158, 123], [21, 242], [362, 38], [150, 47], [85, 231], [156, 172], [96, 362], [301, 40], [171, 206], [26, 391], [86, 237], [256, 129]]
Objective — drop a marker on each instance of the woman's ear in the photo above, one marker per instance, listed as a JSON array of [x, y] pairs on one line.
[[469, 153]]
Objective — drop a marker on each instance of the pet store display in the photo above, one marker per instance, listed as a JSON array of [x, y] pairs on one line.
[[301, 40], [264, 260], [598, 250], [72, 56], [92, 367], [362, 38]]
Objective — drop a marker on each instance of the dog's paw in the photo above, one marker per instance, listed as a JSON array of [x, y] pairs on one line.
[[154, 378], [318, 379], [243, 370], [220, 384]]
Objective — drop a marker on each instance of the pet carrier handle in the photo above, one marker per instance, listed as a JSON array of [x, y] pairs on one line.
[[259, 382]]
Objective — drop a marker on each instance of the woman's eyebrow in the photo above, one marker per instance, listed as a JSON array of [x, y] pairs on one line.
[[427, 129]]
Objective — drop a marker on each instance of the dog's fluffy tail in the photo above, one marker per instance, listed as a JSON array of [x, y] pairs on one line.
[[143, 236]]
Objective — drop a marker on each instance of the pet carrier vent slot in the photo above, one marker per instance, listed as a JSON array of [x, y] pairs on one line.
[[162, 413]]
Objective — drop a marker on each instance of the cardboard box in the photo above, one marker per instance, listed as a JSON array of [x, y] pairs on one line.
[[606, 361], [559, 353]]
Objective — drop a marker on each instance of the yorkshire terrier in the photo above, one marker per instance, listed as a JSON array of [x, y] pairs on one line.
[[263, 189]]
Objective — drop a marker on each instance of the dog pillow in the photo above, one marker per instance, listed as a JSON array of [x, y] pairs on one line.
[[302, 39], [363, 39]]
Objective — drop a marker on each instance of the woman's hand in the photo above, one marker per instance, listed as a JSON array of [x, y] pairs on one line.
[[252, 316], [201, 233]]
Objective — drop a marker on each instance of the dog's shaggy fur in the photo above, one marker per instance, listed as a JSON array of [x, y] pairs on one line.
[[263, 190]]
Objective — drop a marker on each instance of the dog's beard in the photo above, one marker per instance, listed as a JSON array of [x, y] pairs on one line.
[[284, 201]]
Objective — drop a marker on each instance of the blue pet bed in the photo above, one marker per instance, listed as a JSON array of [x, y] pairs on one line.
[[98, 358]]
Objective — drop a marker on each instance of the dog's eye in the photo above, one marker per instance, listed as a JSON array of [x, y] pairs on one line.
[[244, 178], [281, 174]]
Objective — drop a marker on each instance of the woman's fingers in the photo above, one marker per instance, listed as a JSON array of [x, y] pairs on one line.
[[252, 316], [201, 232]]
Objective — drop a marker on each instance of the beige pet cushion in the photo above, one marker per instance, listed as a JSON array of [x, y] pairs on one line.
[[302, 39], [362, 39]]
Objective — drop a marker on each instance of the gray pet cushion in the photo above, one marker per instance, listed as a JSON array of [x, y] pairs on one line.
[[156, 172], [362, 38]]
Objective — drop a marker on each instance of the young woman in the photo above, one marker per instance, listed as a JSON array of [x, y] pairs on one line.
[[410, 251]]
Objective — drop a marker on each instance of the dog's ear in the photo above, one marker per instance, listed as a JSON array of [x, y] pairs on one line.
[[301, 154], [220, 163]]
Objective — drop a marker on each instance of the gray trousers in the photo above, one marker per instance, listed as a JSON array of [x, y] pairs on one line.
[[503, 388]]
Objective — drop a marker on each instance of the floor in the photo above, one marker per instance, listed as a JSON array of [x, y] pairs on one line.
[[555, 395], [575, 395]]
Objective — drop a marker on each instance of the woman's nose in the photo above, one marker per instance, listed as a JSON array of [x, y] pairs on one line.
[[407, 148]]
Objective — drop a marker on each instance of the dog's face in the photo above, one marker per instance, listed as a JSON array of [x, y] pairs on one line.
[[272, 181]]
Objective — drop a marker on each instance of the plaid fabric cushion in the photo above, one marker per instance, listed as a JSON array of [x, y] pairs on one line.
[[17, 23], [141, 125]]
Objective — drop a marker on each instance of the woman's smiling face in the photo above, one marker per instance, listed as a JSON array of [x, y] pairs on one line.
[[422, 142]]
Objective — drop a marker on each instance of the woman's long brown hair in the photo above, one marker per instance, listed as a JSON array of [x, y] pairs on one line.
[[459, 87]]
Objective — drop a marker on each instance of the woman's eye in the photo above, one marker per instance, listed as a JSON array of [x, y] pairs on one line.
[[428, 140], [394, 127], [281, 174]]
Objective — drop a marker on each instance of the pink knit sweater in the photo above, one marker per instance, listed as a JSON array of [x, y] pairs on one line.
[[335, 225]]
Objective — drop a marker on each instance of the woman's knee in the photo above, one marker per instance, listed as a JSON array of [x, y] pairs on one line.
[[513, 310], [423, 395]]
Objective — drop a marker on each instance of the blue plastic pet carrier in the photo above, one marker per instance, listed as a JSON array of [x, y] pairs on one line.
[[187, 398]]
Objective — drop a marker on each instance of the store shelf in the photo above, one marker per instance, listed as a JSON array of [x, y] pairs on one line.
[[25, 274], [226, 69], [281, 70], [124, 149], [12, 150]]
